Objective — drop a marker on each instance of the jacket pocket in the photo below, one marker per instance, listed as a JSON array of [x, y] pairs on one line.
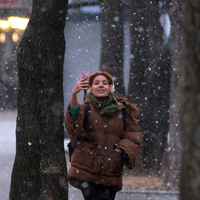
[[115, 166], [84, 155]]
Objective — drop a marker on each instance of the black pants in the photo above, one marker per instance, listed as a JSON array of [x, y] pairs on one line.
[[92, 191]]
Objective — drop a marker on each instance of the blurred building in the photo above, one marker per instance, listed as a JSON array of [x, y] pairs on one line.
[[14, 16]]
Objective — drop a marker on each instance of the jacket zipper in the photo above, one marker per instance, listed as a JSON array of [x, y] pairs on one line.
[[105, 143], [105, 131]]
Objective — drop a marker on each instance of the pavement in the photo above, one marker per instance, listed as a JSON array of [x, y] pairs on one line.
[[7, 155], [7, 150]]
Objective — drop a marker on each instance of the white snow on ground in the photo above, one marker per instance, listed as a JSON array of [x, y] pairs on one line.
[[7, 150]]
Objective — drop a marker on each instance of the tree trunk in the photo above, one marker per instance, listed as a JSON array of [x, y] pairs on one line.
[[39, 170], [112, 42], [190, 103], [173, 155], [149, 80]]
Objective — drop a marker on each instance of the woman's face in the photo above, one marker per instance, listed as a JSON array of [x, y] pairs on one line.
[[100, 86]]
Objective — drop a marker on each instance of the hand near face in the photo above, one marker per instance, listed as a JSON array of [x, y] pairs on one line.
[[82, 84]]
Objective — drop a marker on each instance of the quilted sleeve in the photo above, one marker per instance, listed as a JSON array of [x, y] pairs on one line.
[[131, 140], [73, 125]]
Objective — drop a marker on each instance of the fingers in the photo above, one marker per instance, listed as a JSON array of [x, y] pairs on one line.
[[80, 85], [83, 82], [83, 85]]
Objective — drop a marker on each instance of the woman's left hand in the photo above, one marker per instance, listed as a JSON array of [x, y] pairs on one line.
[[118, 150]]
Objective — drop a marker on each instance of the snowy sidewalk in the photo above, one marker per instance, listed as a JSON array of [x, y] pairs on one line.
[[7, 150], [7, 155]]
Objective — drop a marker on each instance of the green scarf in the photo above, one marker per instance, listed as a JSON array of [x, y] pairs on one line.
[[108, 108]]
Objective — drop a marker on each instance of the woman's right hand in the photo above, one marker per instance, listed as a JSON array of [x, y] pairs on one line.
[[82, 84]]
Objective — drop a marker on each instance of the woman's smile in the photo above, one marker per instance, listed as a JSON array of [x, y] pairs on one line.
[[101, 90]]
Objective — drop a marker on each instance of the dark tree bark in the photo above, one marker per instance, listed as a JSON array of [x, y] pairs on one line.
[[112, 42], [149, 80], [173, 154], [39, 170], [190, 103]]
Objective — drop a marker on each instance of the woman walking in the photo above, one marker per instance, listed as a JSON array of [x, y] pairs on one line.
[[107, 140]]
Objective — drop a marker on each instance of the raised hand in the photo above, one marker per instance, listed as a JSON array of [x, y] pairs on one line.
[[82, 84]]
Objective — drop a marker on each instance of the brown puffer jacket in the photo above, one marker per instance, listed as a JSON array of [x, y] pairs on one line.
[[94, 158]]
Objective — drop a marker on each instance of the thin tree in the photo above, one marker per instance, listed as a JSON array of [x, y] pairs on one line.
[[39, 170], [149, 80], [190, 103], [112, 41], [173, 157]]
